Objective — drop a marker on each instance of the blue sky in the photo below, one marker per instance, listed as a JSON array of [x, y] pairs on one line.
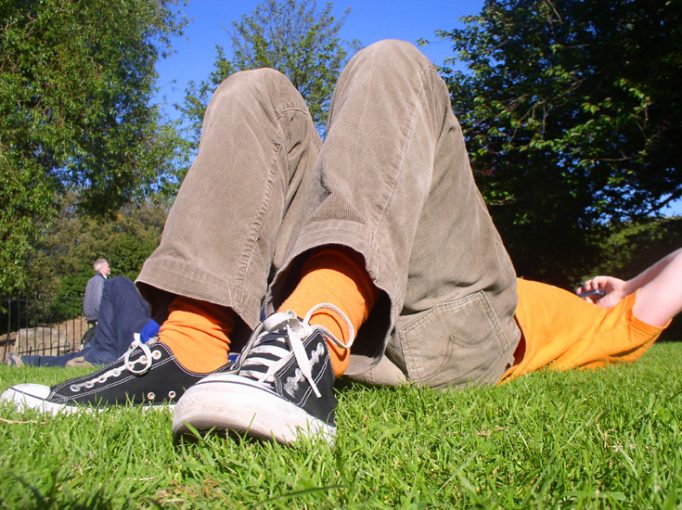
[[368, 21]]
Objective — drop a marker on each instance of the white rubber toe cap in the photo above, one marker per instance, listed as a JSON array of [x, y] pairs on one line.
[[36, 390], [27, 395]]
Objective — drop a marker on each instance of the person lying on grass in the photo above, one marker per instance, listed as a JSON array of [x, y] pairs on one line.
[[379, 230]]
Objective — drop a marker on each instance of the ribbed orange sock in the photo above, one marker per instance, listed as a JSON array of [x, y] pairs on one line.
[[198, 333], [337, 276]]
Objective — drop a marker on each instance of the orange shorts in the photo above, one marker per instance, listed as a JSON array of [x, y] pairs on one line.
[[561, 331]]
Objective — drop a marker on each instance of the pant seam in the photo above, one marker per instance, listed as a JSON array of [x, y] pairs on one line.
[[289, 108], [248, 248], [374, 246], [251, 240]]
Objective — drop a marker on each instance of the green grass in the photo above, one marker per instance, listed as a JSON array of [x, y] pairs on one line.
[[603, 439]]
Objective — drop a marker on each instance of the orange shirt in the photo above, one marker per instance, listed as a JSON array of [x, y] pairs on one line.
[[562, 331]]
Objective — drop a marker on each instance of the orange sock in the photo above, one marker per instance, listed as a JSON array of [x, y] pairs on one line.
[[197, 333], [337, 276]]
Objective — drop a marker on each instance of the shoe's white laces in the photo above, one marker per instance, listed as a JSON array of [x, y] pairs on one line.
[[328, 334], [297, 331], [145, 361]]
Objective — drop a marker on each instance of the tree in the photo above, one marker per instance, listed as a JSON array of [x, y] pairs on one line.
[[291, 36], [637, 245], [23, 208], [62, 263], [572, 113], [76, 79]]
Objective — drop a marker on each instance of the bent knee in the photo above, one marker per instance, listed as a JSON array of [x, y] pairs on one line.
[[252, 77], [395, 50]]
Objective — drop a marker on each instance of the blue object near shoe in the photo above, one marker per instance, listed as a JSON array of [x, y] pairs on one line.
[[149, 331]]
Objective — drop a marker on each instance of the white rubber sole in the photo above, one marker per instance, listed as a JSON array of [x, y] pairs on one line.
[[32, 396], [232, 403]]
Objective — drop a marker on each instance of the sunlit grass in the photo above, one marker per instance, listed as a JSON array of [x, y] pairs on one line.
[[604, 439]]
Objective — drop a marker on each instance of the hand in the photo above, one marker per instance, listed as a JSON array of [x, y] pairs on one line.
[[613, 287]]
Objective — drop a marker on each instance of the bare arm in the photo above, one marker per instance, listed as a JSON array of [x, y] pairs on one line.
[[660, 290]]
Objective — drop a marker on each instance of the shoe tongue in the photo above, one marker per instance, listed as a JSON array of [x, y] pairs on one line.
[[270, 349], [275, 339], [278, 321]]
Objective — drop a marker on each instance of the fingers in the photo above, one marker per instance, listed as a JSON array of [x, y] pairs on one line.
[[594, 289], [593, 296], [604, 291], [586, 286]]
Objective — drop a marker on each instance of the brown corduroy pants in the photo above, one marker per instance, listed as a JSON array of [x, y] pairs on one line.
[[392, 181]]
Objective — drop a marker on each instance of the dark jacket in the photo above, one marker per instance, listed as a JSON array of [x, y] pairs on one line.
[[93, 297]]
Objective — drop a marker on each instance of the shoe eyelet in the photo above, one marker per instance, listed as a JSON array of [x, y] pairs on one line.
[[151, 395], [102, 379], [143, 359], [89, 384], [156, 355], [75, 388], [171, 394], [116, 372]]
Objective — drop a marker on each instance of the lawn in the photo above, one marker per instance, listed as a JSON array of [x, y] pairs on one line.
[[604, 439]]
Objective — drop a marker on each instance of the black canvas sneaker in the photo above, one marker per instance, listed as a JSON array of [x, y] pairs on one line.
[[280, 388], [147, 374]]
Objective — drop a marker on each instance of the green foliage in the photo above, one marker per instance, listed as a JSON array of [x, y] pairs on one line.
[[573, 119], [25, 203], [605, 439], [633, 247], [64, 256], [292, 36], [76, 79]]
